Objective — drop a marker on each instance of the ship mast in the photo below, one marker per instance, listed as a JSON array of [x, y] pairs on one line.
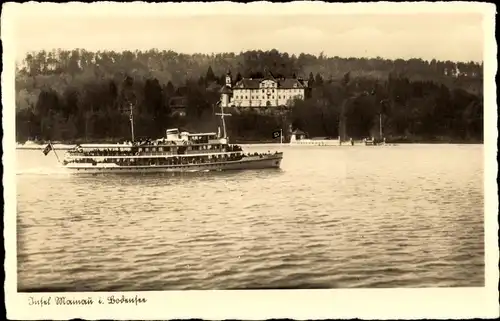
[[380, 125], [382, 102], [132, 121], [222, 114]]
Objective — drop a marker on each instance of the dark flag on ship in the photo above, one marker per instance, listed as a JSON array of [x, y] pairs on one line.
[[47, 149], [277, 134]]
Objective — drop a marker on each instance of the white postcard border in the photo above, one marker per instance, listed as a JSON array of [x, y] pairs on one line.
[[256, 304]]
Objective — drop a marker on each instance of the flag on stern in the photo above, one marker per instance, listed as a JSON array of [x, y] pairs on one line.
[[47, 149], [277, 134]]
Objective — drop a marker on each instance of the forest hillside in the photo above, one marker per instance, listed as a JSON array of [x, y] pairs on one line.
[[80, 95]]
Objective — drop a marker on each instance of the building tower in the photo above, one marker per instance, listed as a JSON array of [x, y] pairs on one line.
[[226, 92], [228, 79]]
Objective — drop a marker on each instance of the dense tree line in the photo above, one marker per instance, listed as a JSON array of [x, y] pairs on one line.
[[81, 95], [406, 110]]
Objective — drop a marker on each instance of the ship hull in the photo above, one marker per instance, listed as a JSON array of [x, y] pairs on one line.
[[250, 163]]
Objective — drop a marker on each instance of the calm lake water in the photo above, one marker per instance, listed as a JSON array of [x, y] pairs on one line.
[[332, 217]]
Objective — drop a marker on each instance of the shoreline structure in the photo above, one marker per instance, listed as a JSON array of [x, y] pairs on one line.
[[263, 143]]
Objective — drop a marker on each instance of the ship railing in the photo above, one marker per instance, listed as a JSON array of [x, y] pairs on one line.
[[148, 154], [161, 161], [198, 159]]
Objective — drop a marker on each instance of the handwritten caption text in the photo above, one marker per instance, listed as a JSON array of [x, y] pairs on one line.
[[64, 300]]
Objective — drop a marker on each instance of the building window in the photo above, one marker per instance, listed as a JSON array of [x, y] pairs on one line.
[[279, 97], [262, 90], [246, 97]]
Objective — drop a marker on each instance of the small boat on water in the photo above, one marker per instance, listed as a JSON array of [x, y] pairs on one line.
[[371, 141], [176, 152]]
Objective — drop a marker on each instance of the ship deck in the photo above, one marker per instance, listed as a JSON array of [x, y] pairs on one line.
[[249, 162]]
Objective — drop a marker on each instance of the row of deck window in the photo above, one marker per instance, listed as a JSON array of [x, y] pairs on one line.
[[264, 97], [161, 161], [159, 149], [176, 148]]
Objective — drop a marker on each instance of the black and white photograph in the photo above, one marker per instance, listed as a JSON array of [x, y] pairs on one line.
[[260, 160]]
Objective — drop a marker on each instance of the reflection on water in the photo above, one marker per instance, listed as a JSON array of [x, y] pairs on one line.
[[332, 217]]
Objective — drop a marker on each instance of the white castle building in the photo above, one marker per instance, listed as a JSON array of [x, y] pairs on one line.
[[262, 92]]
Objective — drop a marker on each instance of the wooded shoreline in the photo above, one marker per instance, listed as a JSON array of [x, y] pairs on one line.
[[72, 95], [41, 145]]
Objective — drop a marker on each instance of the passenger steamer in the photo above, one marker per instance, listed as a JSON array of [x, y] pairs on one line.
[[176, 152]]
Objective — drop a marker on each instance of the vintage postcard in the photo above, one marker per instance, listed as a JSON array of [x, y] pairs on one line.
[[300, 160]]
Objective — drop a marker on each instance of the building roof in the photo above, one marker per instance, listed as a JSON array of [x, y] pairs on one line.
[[284, 83], [299, 132], [178, 102], [225, 90], [213, 86]]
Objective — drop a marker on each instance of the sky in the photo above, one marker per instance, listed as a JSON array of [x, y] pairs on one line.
[[441, 35]]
